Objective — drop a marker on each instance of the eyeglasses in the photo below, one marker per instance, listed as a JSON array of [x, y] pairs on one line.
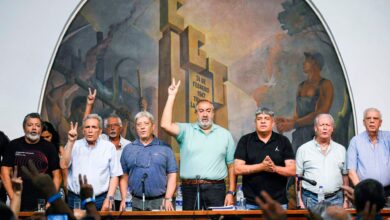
[[264, 110]]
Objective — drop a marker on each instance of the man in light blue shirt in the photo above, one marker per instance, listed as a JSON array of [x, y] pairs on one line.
[[369, 152], [94, 157], [206, 155]]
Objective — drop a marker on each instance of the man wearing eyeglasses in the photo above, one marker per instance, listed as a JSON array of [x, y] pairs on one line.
[[369, 152], [113, 128], [264, 159], [149, 167]]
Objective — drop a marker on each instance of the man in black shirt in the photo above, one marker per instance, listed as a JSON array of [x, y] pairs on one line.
[[265, 159], [3, 143], [30, 147]]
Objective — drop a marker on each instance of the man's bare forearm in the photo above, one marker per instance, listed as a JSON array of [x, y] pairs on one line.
[[171, 185], [66, 157], [6, 179], [232, 178], [114, 181]]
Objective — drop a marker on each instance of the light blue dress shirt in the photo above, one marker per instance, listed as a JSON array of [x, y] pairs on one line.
[[370, 160]]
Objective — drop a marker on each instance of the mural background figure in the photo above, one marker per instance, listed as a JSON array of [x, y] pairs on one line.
[[259, 45]]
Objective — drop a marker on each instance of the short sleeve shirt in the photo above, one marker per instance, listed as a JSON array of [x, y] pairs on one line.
[[253, 151]]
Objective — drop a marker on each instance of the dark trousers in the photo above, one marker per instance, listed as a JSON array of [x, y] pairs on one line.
[[210, 195], [3, 194], [387, 190]]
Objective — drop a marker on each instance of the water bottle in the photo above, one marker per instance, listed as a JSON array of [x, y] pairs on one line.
[[241, 201], [321, 194], [179, 199], [111, 203], [129, 201]]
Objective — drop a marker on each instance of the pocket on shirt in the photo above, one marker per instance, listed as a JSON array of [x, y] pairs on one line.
[[158, 158]]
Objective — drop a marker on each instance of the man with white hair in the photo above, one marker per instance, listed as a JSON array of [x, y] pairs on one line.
[[323, 161], [113, 129], [369, 152], [94, 157], [30, 147], [149, 167]]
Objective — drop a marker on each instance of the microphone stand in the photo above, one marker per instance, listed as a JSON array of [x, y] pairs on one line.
[[298, 193], [197, 193], [298, 188], [143, 190]]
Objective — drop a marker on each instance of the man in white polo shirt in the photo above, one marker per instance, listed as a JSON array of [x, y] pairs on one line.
[[323, 161]]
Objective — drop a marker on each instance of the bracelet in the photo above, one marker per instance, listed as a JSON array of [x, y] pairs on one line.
[[87, 200], [54, 197]]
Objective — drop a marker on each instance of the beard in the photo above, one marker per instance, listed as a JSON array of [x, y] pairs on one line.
[[33, 136], [113, 134], [205, 124]]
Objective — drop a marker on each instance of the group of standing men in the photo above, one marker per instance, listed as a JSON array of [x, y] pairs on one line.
[[147, 166]]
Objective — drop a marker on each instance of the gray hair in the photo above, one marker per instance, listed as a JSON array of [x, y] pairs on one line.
[[144, 114], [372, 110], [94, 116], [264, 110], [113, 115], [321, 115], [203, 100]]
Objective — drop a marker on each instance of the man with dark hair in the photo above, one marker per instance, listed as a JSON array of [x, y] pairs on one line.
[[265, 159], [30, 147], [206, 155], [369, 190]]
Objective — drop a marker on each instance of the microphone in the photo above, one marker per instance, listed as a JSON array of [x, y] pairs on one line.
[[143, 190], [197, 200], [144, 177], [311, 182]]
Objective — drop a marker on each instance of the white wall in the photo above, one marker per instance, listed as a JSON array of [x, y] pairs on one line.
[[29, 31]]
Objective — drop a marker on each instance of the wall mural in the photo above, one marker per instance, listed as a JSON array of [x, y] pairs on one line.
[[239, 54]]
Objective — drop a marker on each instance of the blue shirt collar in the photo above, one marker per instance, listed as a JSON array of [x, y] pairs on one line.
[[155, 141], [379, 137]]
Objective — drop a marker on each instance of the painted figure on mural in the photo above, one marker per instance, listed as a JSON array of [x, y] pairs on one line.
[[314, 96], [251, 58]]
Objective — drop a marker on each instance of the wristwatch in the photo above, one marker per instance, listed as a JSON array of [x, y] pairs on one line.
[[231, 192], [168, 199]]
